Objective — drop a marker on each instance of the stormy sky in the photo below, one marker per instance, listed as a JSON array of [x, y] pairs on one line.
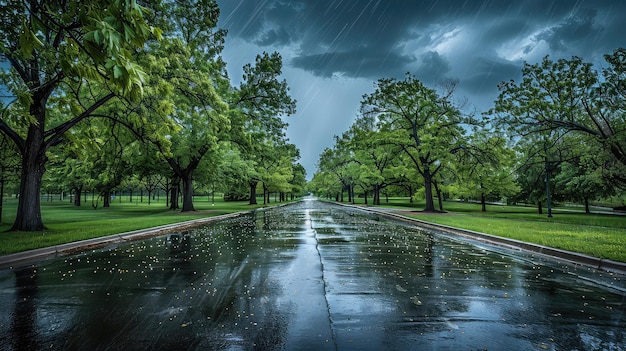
[[333, 50]]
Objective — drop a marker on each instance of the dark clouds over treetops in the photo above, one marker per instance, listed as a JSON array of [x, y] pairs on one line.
[[475, 41]]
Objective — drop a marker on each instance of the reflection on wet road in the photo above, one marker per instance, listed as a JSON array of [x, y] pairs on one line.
[[309, 276]]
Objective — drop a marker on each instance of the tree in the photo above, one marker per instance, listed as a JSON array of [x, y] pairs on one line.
[[257, 106], [338, 163], [569, 96], [63, 49], [186, 71], [484, 169], [298, 183], [540, 156], [376, 155], [262, 99], [425, 125], [233, 169], [275, 168], [324, 183], [582, 178]]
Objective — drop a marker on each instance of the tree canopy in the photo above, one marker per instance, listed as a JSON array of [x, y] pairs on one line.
[[106, 80]]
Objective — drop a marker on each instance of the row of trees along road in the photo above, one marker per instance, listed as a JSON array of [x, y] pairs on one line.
[[105, 96], [558, 134]]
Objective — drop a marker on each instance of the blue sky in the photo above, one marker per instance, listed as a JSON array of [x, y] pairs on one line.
[[333, 51]]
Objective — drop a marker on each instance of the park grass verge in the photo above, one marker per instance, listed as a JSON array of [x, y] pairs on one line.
[[598, 235], [596, 241], [67, 223]]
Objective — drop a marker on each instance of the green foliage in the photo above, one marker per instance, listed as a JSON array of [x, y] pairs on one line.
[[569, 96], [425, 125], [103, 79], [484, 169], [61, 54]]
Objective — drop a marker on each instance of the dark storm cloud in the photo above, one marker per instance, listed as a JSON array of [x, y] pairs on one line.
[[360, 62], [432, 67], [280, 37], [575, 29], [360, 38], [486, 73]]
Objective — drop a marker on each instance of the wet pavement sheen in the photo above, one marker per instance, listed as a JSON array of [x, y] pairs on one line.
[[309, 276]]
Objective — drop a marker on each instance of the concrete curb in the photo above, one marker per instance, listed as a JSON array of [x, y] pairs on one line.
[[30, 256], [569, 256]]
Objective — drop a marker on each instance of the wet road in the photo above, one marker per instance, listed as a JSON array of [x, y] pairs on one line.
[[309, 276]]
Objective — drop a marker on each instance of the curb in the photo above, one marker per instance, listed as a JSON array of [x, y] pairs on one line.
[[569, 256], [30, 256]]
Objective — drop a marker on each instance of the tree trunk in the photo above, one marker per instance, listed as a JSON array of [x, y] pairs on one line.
[[365, 196], [188, 192], [428, 186], [130, 194], [548, 194], [94, 201], [539, 208], [253, 184], [167, 190], [352, 192], [376, 200], [77, 193], [174, 196], [587, 211], [350, 198], [439, 196], [1, 194], [28, 216], [483, 203], [107, 198]]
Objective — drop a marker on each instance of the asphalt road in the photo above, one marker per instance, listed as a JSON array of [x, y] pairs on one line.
[[310, 276]]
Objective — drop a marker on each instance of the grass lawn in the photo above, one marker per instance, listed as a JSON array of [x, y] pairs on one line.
[[598, 235], [68, 223]]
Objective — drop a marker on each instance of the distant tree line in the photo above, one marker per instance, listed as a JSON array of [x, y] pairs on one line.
[[559, 134]]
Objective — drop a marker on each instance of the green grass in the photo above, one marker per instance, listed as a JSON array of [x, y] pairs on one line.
[[68, 223], [598, 235]]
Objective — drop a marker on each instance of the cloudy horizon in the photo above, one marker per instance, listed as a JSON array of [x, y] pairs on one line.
[[333, 51]]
